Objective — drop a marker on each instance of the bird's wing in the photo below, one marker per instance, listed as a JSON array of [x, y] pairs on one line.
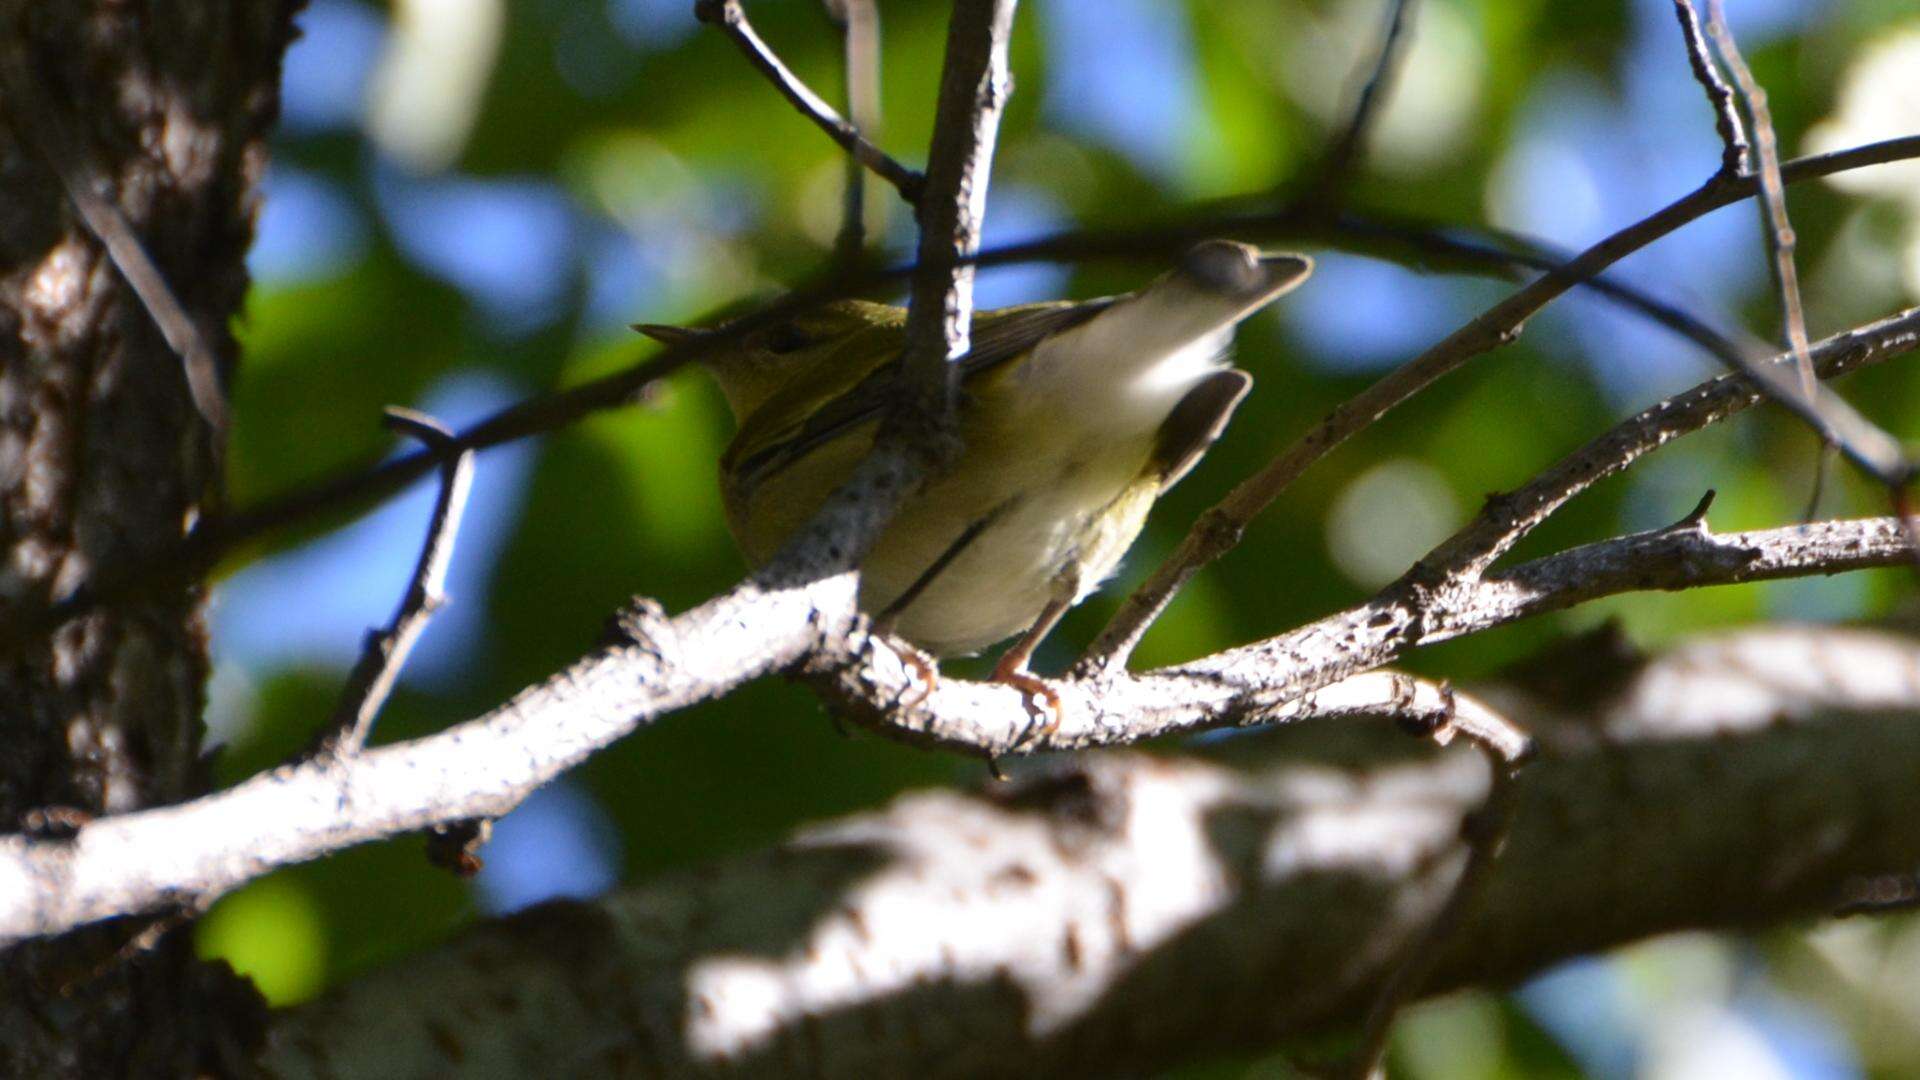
[[781, 434], [999, 336], [1196, 422]]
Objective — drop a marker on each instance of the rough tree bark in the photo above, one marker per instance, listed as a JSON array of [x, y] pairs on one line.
[[1116, 913], [160, 108]]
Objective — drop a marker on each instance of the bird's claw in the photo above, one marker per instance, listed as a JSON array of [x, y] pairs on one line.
[[1043, 706], [926, 677]]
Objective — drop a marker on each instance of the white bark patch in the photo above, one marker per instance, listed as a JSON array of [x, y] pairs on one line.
[[1117, 895], [1757, 677], [55, 285], [1385, 823]]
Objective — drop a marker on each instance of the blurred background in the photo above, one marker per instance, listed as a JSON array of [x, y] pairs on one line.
[[469, 200]]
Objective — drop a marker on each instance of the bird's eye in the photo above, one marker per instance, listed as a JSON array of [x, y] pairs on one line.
[[785, 338]]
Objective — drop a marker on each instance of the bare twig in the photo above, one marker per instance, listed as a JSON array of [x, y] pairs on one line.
[[1337, 165], [91, 193], [940, 316], [1507, 750], [1220, 528], [386, 651], [1786, 275], [1773, 192], [219, 535], [732, 19], [1726, 117], [1509, 518], [859, 23], [1283, 679]]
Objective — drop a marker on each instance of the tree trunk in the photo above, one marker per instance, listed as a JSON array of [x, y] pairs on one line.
[[161, 108]]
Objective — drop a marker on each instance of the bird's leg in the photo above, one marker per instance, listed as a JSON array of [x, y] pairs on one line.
[[1012, 670]]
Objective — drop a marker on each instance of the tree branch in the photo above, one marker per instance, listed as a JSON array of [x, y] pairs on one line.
[[483, 768], [220, 535], [1338, 164], [1221, 527], [1509, 518], [1054, 926], [859, 25], [386, 652], [1726, 116], [1773, 194], [1280, 680], [1485, 830], [940, 315], [731, 18]]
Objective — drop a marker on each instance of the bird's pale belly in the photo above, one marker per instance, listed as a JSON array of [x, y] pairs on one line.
[[1064, 532]]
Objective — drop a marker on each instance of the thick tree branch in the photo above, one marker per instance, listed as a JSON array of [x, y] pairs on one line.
[[483, 768], [1056, 927]]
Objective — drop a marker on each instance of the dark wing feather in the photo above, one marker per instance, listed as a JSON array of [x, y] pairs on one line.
[[997, 337], [1197, 421]]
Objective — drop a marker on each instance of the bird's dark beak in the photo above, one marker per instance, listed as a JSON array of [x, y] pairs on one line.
[[1229, 269], [1287, 268], [671, 335]]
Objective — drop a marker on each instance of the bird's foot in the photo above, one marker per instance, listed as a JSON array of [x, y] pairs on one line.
[[1042, 701], [926, 676]]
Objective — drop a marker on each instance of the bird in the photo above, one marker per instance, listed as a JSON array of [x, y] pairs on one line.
[[1073, 417]]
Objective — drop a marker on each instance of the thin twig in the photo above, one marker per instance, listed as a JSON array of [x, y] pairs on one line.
[[1781, 241], [1345, 151], [386, 652], [90, 191], [1773, 193], [1509, 518], [1507, 750], [1816, 494], [859, 24], [732, 19], [1220, 528], [217, 536], [1726, 117]]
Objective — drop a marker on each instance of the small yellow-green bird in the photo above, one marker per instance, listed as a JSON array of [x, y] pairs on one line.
[[1074, 418]]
